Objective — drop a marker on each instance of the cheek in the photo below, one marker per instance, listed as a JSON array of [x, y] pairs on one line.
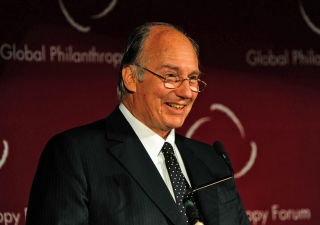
[[158, 97], [150, 103]]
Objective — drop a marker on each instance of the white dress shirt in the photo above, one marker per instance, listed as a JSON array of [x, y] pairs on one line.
[[153, 143]]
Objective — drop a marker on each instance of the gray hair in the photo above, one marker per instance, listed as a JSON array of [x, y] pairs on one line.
[[134, 48]]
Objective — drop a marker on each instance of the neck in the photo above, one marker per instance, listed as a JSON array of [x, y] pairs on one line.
[[163, 133]]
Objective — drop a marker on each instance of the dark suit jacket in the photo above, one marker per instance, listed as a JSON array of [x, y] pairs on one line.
[[101, 174]]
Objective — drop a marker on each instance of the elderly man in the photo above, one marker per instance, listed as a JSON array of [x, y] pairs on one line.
[[119, 170]]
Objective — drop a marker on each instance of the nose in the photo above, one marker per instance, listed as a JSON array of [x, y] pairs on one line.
[[184, 90]]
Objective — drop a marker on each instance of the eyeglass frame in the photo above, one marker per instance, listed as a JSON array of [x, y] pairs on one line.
[[180, 78]]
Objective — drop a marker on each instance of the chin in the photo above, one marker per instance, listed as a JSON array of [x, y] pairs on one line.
[[174, 121], [175, 125]]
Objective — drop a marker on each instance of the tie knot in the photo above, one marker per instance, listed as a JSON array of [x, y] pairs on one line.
[[167, 148]]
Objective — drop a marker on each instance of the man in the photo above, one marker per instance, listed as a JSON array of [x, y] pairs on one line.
[[113, 171]]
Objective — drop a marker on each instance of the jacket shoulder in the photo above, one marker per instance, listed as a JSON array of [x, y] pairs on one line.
[[94, 128]]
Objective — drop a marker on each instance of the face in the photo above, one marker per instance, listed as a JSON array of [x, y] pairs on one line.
[[166, 51]]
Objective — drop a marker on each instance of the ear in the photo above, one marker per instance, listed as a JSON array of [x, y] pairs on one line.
[[129, 79]]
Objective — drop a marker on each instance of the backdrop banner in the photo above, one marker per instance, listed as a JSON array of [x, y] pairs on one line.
[[59, 65]]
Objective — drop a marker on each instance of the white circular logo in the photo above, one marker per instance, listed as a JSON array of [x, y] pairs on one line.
[[236, 121], [80, 27], [5, 153], [306, 18]]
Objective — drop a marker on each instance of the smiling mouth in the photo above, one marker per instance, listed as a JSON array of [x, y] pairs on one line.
[[175, 106]]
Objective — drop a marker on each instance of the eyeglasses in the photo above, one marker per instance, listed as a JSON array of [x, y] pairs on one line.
[[172, 81]]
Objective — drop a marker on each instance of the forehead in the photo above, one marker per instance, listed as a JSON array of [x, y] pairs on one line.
[[166, 43]]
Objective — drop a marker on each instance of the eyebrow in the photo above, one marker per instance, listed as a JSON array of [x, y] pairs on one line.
[[170, 66]]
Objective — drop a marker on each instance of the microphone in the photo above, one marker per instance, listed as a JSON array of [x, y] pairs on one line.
[[191, 211], [218, 146]]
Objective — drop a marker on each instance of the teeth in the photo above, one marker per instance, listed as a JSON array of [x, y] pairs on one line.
[[176, 106]]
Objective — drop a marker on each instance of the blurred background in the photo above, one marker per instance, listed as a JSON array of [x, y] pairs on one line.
[[59, 64]]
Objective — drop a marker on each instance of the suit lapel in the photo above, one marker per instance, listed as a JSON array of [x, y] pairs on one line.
[[133, 156], [207, 200]]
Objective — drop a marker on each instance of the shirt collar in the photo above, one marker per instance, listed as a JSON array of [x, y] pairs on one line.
[[151, 141]]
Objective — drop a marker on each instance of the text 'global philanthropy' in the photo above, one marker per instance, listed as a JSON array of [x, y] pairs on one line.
[[295, 57], [56, 53]]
